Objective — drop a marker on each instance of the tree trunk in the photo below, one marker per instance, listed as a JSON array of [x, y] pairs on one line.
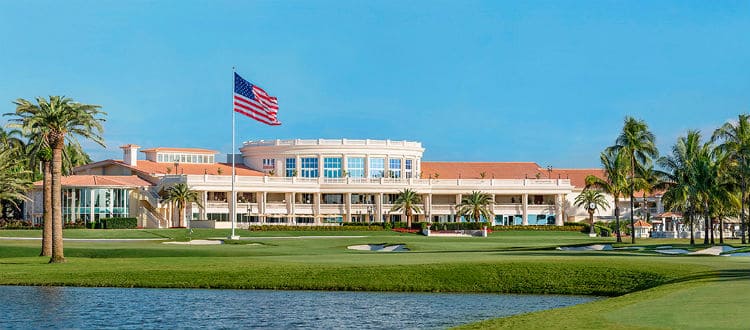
[[57, 225], [743, 226], [692, 229], [591, 221], [632, 197], [706, 221], [721, 230], [617, 221], [182, 215], [47, 215], [408, 218]]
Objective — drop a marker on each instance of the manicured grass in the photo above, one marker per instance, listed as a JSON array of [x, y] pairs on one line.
[[512, 262]]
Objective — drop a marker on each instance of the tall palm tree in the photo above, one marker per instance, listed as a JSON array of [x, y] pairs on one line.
[[639, 144], [407, 202], [591, 200], [475, 206], [58, 120], [735, 141], [680, 177], [180, 194], [615, 167]]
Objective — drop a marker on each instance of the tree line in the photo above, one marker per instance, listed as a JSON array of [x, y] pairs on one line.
[[40, 141]]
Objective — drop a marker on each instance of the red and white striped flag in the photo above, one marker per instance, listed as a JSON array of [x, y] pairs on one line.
[[252, 101]]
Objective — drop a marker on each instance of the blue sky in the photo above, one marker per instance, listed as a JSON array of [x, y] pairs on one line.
[[549, 82]]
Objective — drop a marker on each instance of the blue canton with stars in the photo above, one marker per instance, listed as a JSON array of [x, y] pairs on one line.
[[243, 87]]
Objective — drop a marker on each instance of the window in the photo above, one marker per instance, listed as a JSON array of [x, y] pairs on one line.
[[377, 166], [309, 167], [394, 168], [355, 167], [269, 164], [332, 167], [407, 168], [291, 167], [333, 199]]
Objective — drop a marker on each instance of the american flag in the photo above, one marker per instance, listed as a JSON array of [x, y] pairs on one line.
[[252, 101]]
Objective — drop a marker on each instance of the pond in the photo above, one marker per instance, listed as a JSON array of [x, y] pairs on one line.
[[72, 307]]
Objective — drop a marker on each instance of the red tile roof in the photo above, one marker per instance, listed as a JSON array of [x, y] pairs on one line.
[[191, 150], [101, 181], [641, 224], [473, 170], [153, 168], [505, 170]]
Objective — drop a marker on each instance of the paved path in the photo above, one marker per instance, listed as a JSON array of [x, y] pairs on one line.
[[101, 240]]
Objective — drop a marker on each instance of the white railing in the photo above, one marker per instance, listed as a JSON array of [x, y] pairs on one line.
[[226, 180], [333, 142]]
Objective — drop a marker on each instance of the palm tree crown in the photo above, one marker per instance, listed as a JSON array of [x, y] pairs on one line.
[[591, 200], [475, 206], [181, 195], [407, 202]]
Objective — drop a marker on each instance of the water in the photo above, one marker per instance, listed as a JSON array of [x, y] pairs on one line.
[[71, 307]]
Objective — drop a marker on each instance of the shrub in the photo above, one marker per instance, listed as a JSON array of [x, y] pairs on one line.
[[16, 224], [314, 228], [119, 223], [460, 226], [578, 227]]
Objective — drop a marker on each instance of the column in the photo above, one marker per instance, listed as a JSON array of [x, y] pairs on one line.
[[289, 197], [367, 166], [427, 199], [348, 208], [344, 166], [558, 210], [525, 209], [297, 166], [456, 218], [231, 198], [379, 207], [320, 166], [262, 207], [204, 201], [316, 207]]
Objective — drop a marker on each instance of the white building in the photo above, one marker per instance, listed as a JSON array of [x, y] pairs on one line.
[[325, 181]]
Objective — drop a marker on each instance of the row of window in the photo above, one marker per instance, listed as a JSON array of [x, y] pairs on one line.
[[184, 158], [355, 167]]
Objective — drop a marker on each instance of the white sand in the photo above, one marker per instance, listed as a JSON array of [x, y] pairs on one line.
[[197, 242], [595, 247], [672, 251], [714, 250], [378, 248]]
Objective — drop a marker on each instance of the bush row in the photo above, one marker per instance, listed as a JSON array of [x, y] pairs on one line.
[[119, 223], [314, 228]]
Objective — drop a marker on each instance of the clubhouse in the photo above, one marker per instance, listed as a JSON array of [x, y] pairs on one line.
[[317, 182]]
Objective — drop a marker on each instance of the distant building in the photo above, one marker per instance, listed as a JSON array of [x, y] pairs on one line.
[[319, 182]]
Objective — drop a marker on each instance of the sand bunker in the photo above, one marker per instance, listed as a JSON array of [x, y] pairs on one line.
[[672, 251], [595, 247], [197, 242], [379, 248], [715, 250]]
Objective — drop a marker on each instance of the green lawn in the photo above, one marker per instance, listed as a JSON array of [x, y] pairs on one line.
[[650, 291]]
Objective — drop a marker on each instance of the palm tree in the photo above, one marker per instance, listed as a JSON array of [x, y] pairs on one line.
[[407, 202], [14, 181], [591, 200], [58, 120], [74, 156], [615, 167], [735, 141], [638, 143], [680, 178], [180, 194], [647, 181], [475, 206]]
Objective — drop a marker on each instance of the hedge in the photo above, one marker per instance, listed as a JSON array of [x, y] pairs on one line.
[[119, 223], [315, 228]]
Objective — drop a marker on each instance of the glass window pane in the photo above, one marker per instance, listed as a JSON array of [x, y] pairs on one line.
[[332, 167], [291, 166], [377, 167], [309, 167], [355, 167]]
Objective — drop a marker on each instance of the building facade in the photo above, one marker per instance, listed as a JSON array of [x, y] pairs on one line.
[[326, 182]]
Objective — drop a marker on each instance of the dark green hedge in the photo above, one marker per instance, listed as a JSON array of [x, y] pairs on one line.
[[119, 223], [315, 228]]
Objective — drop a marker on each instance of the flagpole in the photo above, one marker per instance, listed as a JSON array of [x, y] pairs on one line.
[[233, 207]]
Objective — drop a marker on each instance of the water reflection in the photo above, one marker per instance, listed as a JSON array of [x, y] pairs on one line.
[[69, 307]]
